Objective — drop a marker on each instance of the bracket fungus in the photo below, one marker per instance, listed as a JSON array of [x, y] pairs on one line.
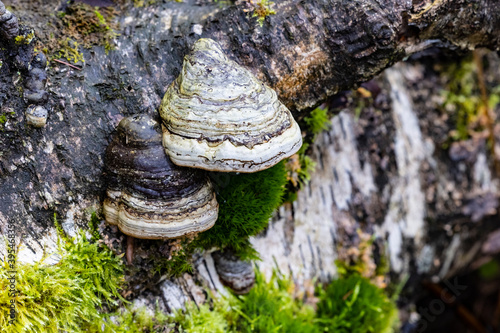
[[234, 273], [148, 197], [217, 116], [36, 116], [36, 79]]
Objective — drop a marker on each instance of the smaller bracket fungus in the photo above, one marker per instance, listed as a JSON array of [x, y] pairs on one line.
[[217, 116], [233, 272], [148, 197], [36, 116], [34, 91]]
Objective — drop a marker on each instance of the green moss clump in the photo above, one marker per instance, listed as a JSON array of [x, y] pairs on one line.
[[203, 319], [144, 3], [300, 166], [25, 39], [490, 270], [317, 121], [65, 296], [348, 305], [178, 264], [462, 99], [262, 9], [354, 305], [270, 307], [131, 321], [80, 25], [246, 203], [69, 49], [3, 117], [99, 269]]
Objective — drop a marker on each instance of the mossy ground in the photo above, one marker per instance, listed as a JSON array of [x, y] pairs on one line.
[[354, 305], [349, 304], [66, 296], [80, 293]]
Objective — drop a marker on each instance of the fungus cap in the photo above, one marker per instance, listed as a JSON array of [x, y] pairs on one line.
[[148, 196], [217, 116]]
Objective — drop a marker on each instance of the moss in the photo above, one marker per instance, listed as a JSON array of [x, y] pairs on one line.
[[65, 296], [80, 26], [462, 99], [143, 3], [246, 203], [100, 270], [25, 39], [268, 307], [69, 49], [346, 305], [203, 319], [262, 9], [300, 166], [317, 121], [350, 304], [3, 118], [299, 170], [359, 259], [490, 270], [357, 301], [354, 305], [130, 321], [94, 227], [179, 263]]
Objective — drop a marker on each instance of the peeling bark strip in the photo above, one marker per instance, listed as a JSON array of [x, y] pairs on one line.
[[308, 51], [406, 213]]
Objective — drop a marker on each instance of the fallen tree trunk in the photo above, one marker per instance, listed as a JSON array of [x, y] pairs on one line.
[[383, 173]]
